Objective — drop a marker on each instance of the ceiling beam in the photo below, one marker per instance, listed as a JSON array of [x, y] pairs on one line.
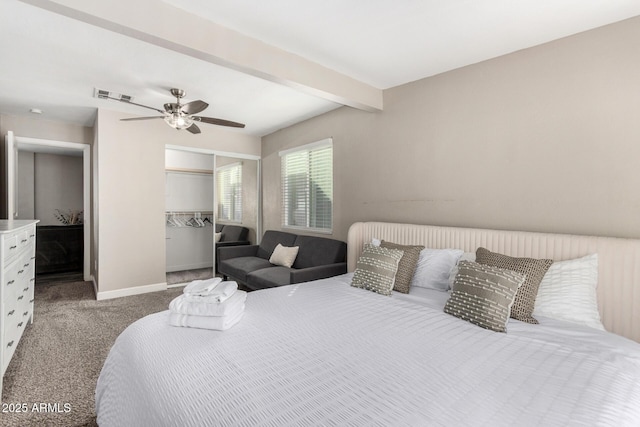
[[158, 23]]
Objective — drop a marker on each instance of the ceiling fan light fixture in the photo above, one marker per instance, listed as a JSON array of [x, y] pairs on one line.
[[178, 121], [177, 115]]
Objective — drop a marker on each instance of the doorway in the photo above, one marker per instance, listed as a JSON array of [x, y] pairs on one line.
[[50, 181], [198, 208]]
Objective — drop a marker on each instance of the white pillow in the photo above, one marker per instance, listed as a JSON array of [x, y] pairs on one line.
[[284, 255], [434, 267], [568, 292], [217, 237], [376, 242]]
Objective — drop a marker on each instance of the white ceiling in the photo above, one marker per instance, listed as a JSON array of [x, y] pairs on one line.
[[53, 62]]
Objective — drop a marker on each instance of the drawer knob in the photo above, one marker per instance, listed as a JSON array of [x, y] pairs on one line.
[[20, 271], [23, 241], [10, 343], [32, 279], [10, 282], [31, 300], [11, 313], [33, 257], [20, 324], [26, 265], [12, 247], [25, 289], [20, 297], [25, 313]]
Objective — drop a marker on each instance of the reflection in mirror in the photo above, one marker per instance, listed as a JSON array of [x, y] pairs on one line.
[[211, 201], [237, 194]]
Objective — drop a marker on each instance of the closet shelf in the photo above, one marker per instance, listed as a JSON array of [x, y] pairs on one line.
[[186, 170], [188, 212]]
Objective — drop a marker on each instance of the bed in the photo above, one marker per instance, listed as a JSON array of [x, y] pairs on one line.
[[327, 353]]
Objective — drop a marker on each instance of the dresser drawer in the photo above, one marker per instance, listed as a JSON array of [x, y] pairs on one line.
[[18, 242], [11, 333], [25, 268], [10, 247], [10, 279], [18, 310]]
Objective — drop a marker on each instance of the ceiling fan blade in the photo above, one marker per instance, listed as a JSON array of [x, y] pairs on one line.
[[142, 118], [133, 103], [194, 107], [218, 122], [193, 129]]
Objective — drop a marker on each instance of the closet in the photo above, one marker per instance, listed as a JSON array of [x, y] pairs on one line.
[[204, 192], [189, 211]]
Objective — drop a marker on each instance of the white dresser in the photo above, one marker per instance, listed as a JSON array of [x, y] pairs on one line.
[[17, 280]]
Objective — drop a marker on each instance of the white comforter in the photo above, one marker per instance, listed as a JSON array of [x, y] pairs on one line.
[[324, 353]]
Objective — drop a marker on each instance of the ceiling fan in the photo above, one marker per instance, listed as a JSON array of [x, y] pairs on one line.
[[182, 116]]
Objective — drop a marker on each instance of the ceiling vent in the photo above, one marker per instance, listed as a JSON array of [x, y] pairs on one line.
[[105, 94]]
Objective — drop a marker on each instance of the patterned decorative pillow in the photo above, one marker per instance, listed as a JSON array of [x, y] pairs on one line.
[[535, 270], [406, 266], [376, 269], [483, 295]]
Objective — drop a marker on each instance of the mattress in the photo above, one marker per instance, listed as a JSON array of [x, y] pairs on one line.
[[325, 353]]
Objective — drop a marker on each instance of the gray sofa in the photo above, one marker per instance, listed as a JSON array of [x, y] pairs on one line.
[[317, 258], [232, 235]]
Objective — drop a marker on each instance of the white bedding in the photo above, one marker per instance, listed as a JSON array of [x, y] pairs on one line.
[[325, 353]]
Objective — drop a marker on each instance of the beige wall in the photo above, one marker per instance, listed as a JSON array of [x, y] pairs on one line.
[[57, 186], [26, 185], [47, 183], [131, 193], [544, 139]]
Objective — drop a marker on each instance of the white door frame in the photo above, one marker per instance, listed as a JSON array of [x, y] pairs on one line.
[[15, 143]]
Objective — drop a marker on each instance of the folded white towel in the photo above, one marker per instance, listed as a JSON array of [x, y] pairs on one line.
[[184, 304], [218, 323], [220, 293], [202, 287]]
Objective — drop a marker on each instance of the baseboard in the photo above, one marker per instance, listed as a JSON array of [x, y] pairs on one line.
[[194, 266], [136, 290], [177, 285]]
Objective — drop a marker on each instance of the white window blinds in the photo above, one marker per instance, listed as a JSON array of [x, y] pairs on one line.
[[229, 185], [307, 187]]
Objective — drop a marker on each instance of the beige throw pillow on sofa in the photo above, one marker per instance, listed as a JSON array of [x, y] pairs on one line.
[[284, 255]]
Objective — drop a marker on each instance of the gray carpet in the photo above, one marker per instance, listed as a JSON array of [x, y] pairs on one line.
[[61, 354]]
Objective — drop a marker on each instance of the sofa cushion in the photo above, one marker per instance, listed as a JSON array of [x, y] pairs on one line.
[[239, 268], [234, 233], [316, 251], [271, 239], [268, 278]]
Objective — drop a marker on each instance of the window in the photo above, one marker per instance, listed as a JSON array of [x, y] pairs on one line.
[[229, 182], [307, 186]]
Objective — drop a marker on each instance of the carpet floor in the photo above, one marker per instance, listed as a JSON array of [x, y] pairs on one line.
[[60, 355]]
